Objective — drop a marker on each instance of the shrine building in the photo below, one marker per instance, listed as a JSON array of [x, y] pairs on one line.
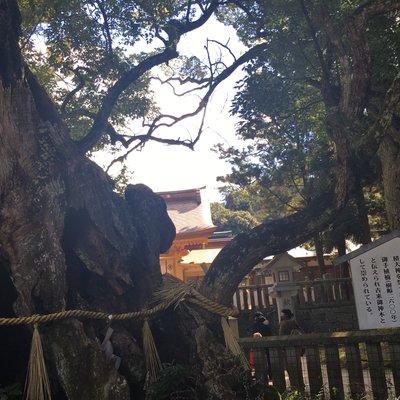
[[190, 212], [197, 243]]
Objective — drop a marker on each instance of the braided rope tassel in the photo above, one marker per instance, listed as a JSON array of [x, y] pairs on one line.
[[153, 363], [232, 344], [37, 386]]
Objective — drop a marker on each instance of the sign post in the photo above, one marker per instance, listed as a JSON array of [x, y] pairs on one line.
[[375, 272]]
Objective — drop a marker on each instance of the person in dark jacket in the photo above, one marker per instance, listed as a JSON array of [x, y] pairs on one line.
[[289, 326], [261, 327], [261, 324]]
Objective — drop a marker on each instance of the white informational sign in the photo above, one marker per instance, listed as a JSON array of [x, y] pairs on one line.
[[376, 282]]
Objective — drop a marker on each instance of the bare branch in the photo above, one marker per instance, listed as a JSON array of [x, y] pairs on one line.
[[188, 79], [280, 199], [107, 33], [142, 140], [73, 92], [127, 78], [325, 70], [225, 46], [202, 84], [159, 121], [100, 122], [168, 121]]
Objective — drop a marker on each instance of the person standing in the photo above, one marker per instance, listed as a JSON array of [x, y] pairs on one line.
[[289, 326], [261, 324], [261, 327]]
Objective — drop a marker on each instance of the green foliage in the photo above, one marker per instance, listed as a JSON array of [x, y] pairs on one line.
[[74, 44], [79, 50], [294, 394], [122, 180], [282, 102], [231, 220], [229, 370], [282, 113], [12, 392], [376, 210], [181, 381], [173, 378]]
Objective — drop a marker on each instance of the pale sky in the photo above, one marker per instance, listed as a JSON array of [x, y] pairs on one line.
[[165, 168]]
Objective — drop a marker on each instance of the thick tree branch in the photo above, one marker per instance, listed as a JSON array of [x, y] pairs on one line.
[[143, 139], [74, 91], [336, 41], [115, 91], [107, 33], [392, 100], [10, 55], [168, 121], [175, 29], [246, 250], [325, 70], [205, 16], [271, 238]]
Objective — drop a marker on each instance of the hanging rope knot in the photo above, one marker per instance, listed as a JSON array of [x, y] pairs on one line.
[[174, 291]]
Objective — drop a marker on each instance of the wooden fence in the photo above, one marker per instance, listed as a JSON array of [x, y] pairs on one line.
[[337, 365], [258, 297]]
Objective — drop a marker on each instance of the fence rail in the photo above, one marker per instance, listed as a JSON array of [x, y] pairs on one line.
[[349, 364], [320, 291], [325, 291], [253, 297]]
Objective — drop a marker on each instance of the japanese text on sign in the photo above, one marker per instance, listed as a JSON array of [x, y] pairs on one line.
[[376, 282]]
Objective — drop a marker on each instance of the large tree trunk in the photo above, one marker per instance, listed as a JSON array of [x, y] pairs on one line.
[[389, 154], [67, 241], [365, 231], [319, 251]]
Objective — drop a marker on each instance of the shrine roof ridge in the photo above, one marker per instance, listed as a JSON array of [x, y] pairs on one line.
[[363, 249]]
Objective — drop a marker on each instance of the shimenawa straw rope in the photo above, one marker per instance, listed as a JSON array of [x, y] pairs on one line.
[[37, 385]]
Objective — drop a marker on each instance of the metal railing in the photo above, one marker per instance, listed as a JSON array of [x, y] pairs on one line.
[[339, 365]]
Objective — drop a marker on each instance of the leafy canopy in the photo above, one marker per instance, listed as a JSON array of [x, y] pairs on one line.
[[97, 59], [289, 99]]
